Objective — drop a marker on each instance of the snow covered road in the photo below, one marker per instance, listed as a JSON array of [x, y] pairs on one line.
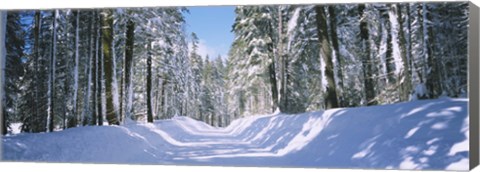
[[428, 134]]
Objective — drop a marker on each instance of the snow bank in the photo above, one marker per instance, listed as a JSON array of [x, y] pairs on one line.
[[428, 134]]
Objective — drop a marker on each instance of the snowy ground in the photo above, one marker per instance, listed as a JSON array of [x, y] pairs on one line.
[[429, 134]]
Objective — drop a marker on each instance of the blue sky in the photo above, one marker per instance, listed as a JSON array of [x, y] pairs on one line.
[[212, 25]]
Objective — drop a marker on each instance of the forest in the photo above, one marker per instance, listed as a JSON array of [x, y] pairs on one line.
[[67, 68]]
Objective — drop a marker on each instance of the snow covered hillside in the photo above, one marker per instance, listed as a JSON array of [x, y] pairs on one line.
[[427, 134]]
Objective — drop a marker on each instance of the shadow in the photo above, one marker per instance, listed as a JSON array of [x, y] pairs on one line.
[[425, 134]]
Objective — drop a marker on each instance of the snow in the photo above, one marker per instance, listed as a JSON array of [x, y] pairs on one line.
[[363, 137], [16, 128], [292, 24], [395, 26]]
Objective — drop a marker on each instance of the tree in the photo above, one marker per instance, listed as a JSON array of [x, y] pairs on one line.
[[107, 39], [336, 49], [405, 81], [88, 75], [254, 32], [3, 28], [149, 85], [96, 90], [129, 67], [366, 64], [75, 69], [326, 54], [52, 78]]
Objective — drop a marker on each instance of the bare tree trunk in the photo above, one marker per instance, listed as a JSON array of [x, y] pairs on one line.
[[95, 68], [52, 73], [272, 75], [86, 110], [128, 67], [107, 41], [406, 85], [432, 83], [326, 54], [94, 47], [3, 60], [99, 70], [283, 105], [366, 64], [333, 33], [36, 51], [149, 85], [73, 123], [162, 103]]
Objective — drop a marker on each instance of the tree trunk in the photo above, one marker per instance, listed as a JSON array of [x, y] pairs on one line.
[[273, 83], [326, 54], [107, 41], [333, 33], [366, 64], [162, 103], [75, 69], [100, 70], [432, 82], [3, 60], [389, 53], [94, 45], [128, 67], [283, 105], [149, 85], [406, 85], [52, 73], [36, 53], [88, 73], [272, 75]]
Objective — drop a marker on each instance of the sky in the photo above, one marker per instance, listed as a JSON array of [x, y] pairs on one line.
[[213, 25]]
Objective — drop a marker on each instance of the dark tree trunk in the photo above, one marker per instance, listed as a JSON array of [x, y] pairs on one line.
[[333, 30], [95, 68], [326, 54], [272, 72], [273, 83], [36, 52], [433, 85], [128, 64], [99, 70], [366, 64], [52, 73], [149, 85], [406, 85], [3, 60], [72, 122], [94, 45], [162, 103], [86, 110], [107, 41]]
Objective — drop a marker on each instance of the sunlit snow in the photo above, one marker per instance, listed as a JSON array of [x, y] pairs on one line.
[[364, 137]]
